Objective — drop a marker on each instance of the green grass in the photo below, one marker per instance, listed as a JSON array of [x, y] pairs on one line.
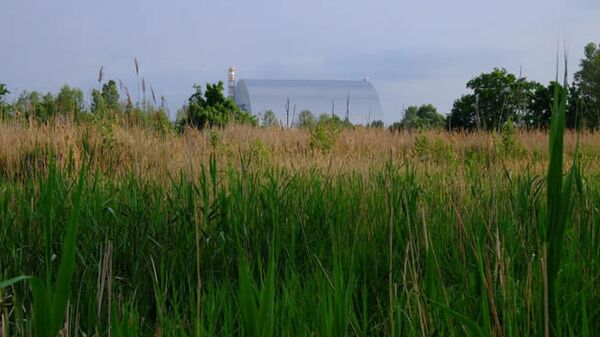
[[263, 251]]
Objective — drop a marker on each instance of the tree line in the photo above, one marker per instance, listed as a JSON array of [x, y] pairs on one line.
[[69, 104], [499, 97], [495, 98]]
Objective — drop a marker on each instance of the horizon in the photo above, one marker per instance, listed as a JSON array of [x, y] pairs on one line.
[[413, 54]]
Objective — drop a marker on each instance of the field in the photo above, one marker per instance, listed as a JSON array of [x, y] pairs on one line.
[[259, 232]]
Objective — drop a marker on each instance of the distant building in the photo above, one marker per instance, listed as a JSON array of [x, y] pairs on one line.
[[356, 100]]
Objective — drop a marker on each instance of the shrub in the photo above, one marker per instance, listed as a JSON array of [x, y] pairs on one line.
[[213, 109], [3, 105], [306, 119], [323, 136], [269, 119], [509, 144], [422, 146]]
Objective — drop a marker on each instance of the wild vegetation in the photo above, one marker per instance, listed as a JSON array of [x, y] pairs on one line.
[[116, 222], [256, 232]]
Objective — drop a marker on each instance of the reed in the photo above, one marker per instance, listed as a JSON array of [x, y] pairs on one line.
[[249, 232]]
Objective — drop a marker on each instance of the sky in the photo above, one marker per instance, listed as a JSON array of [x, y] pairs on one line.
[[414, 52]]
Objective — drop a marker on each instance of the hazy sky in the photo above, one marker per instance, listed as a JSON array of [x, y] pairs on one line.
[[414, 52]]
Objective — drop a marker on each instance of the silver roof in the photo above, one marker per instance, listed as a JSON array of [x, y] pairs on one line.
[[258, 96]]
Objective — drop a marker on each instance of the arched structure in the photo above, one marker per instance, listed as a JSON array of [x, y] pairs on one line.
[[357, 100]]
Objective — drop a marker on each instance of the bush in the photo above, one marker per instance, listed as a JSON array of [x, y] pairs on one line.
[[378, 124], [509, 144], [269, 119], [213, 109], [422, 146], [306, 119], [324, 135], [3, 105]]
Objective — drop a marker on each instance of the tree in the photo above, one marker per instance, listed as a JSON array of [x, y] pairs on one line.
[[463, 114], [396, 127], [425, 116], [496, 97], [573, 106], [30, 105], [213, 109], [333, 120], [69, 101], [49, 106], [587, 81], [539, 110], [269, 119], [106, 101], [110, 94], [3, 106], [377, 124], [98, 106], [3, 92], [306, 119]]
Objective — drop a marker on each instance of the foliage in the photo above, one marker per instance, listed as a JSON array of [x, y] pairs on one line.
[[497, 97], [105, 103], [396, 127], [325, 133], [425, 116], [509, 144], [159, 121], [110, 94], [269, 119], [463, 115], [69, 102], [306, 119], [3, 105], [98, 106], [377, 124], [422, 146], [3, 91], [260, 152], [587, 81], [398, 248], [334, 121], [559, 202], [540, 109], [32, 105], [213, 109]]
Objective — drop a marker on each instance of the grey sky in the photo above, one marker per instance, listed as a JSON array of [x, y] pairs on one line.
[[413, 51]]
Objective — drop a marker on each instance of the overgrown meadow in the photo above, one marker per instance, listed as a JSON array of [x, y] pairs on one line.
[[269, 232]]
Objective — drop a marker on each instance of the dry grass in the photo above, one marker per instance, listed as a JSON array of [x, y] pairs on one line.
[[120, 150]]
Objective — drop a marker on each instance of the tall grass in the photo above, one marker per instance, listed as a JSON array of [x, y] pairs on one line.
[[452, 245]]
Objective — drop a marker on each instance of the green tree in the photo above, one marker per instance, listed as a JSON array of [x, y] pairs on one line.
[[31, 106], [3, 105], [587, 80], [377, 124], [574, 104], [496, 97], [49, 106], [110, 94], [269, 119], [213, 109], [333, 120], [69, 102], [3, 91], [539, 110], [98, 106], [306, 119], [396, 127], [463, 115], [160, 121], [425, 116]]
